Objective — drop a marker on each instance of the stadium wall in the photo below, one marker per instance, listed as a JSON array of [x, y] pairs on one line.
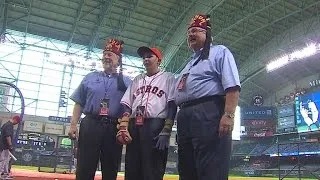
[[302, 83]]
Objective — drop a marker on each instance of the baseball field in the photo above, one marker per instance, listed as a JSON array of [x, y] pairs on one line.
[[31, 173]]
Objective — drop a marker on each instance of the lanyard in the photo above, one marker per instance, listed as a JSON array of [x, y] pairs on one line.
[[195, 63]]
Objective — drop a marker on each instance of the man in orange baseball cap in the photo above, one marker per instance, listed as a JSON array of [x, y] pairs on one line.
[[149, 114]]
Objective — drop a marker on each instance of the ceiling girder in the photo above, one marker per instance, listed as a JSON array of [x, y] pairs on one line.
[[104, 11], [178, 37], [76, 21]]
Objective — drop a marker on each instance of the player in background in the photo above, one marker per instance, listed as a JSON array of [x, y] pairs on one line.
[[148, 119], [6, 145], [310, 114]]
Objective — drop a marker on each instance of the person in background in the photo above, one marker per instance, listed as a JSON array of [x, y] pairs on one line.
[[6, 145]]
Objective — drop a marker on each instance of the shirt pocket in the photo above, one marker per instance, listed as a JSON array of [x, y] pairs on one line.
[[95, 86]]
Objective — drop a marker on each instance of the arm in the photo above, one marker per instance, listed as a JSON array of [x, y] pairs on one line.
[[79, 97], [164, 136], [230, 81], [232, 98], [172, 107], [9, 141], [76, 114], [123, 136], [314, 110], [126, 109], [172, 111], [127, 99]]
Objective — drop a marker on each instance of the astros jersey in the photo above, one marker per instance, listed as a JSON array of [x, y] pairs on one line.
[[152, 92]]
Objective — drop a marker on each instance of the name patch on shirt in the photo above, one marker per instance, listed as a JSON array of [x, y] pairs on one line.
[[149, 89]]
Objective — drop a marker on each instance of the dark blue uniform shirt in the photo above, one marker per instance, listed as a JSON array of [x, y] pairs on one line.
[[96, 86]]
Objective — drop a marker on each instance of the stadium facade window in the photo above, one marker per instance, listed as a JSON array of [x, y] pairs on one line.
[[41, 68]]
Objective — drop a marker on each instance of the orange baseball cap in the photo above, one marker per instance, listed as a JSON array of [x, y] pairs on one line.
[[154, 50]]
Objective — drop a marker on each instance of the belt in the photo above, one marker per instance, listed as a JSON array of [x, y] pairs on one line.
[[201, 100], [104, 119]]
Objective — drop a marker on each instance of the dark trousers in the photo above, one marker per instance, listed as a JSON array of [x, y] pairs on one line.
[[97, 140], [143, 160], [202, 154]]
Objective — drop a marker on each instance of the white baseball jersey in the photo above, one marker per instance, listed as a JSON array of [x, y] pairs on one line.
[[152, 92]]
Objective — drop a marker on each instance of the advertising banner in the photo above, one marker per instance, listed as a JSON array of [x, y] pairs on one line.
[[258, 134], [286, 122], [33, 126], [259, 123], [253, 113], [285, 110], [60, 119], [54, 129]]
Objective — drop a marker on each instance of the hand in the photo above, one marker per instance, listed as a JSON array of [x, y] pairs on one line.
[[164, 137], [73, 132], [303, 111], [314, 111], [123, 135], [10, 148], [225, 126], [162, 141]]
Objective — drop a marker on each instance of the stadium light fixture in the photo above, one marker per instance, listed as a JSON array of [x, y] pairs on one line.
[[308, 51]]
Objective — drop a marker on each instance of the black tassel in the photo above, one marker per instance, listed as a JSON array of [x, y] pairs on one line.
[[121, 85], [206, 48]]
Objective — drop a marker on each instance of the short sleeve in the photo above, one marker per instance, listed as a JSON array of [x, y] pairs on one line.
[[227, 68], [171, 87], [127, 81], [127, 98], [7, 131], [79, 95]]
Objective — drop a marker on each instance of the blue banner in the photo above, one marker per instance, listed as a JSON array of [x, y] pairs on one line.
[[258, 113], [60, 119]]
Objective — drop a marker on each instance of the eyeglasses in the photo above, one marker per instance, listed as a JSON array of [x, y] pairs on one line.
[[195, 31]]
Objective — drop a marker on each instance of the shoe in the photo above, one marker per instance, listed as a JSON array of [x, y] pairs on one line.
[[6, 176]]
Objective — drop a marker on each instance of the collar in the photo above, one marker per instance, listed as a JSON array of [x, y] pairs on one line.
[[109, 75], [198, 52], [159, 72]]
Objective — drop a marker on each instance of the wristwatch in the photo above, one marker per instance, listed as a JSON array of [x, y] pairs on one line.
[[229, 114]]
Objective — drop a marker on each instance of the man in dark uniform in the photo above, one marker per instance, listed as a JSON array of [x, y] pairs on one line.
[[207, 92], [98, 97], [6, 138]]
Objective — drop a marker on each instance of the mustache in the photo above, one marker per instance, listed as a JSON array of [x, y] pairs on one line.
[[107, 60], [192, 38]]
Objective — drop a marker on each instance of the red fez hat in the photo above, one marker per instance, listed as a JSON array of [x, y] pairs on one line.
[[114, 45], [16, 118], [153, 50], [201, 21]]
